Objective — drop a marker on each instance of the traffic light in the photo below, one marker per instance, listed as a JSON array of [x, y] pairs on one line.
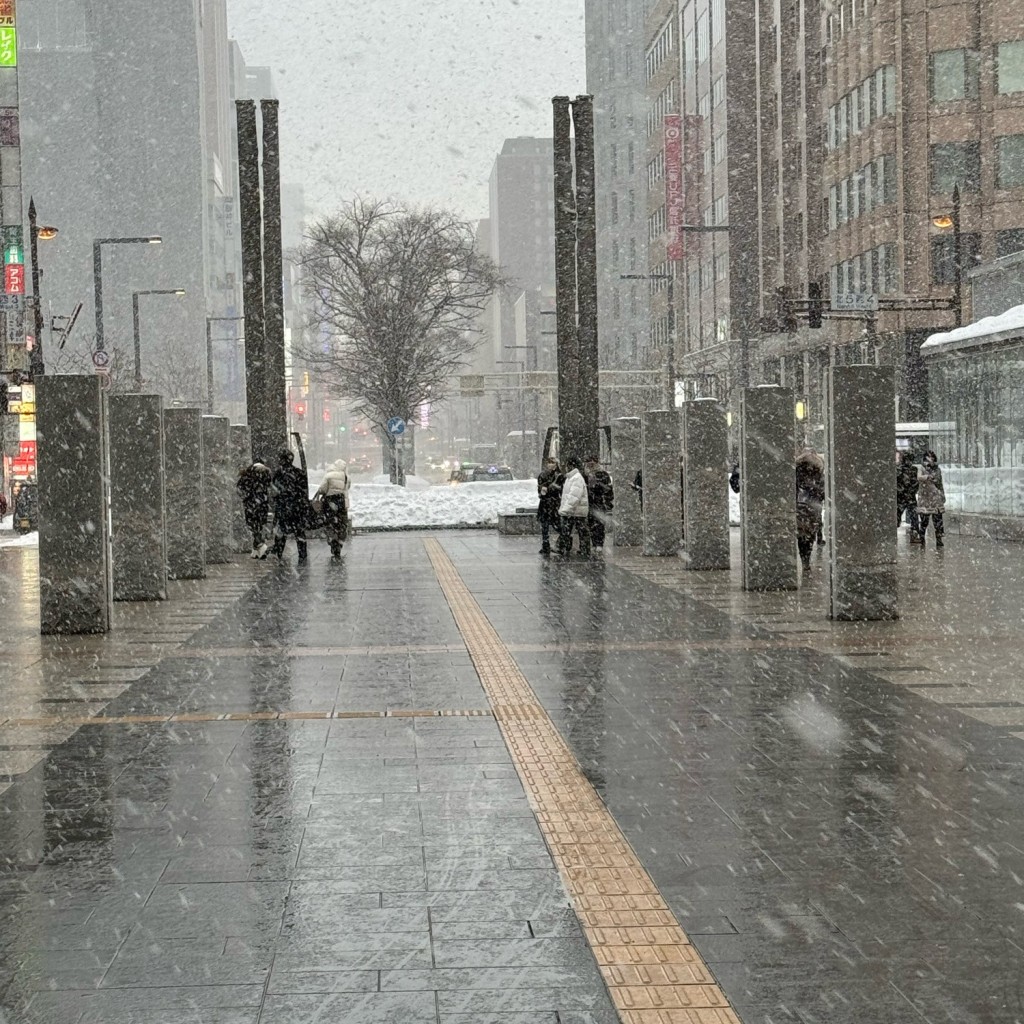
[[300, 410], [814, 306], [784, 311], [327, 416]]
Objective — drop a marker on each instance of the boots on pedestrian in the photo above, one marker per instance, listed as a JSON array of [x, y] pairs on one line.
[[303, 550], [335, 549], [545, 549]]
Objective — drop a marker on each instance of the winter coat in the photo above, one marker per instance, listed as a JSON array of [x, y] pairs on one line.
[[291, 498], [810, 494], [931, 494], [600, 491], [734, 478], [336, 482], [254, 487], [906, 481], [574, 496], [549, 491]]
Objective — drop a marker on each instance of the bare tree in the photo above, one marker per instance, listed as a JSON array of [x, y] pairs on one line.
[[394, 294]]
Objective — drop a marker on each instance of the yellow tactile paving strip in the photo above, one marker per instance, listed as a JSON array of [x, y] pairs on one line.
[[654, 974]]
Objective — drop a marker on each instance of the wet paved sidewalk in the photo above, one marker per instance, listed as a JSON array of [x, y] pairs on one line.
[[301, 806]]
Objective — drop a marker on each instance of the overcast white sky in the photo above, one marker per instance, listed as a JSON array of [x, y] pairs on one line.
[[410, 98]]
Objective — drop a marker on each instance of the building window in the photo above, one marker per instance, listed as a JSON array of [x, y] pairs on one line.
[[717, 20], [718, 91], [704, 105], [1010, 161], [615, 208], [720, 149], [1009, 241], [631, 158], [703, 38], [721, 267], [885, 90], [1010, 67], [953, 75], [632, 254], [689, 53], [955, 163], [943, 262]]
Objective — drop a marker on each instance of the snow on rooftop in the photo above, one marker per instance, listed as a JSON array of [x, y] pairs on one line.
[[1006, 326]]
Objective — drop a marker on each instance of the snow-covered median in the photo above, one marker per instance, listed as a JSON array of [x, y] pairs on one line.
[[384, 505]]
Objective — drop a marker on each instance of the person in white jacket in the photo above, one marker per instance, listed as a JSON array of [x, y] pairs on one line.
[[332, 495], [574, 510]]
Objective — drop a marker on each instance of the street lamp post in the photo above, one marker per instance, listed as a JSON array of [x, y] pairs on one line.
[[136, 333], [952, 220], [97, 275], [210, 321], [36, 365], [670, 355]]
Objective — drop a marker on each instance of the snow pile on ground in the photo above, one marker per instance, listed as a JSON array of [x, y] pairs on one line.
[[385, 505], [10, 539]]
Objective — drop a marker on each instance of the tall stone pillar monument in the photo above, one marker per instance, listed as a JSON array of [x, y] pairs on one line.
[[860, 493], [626, 458], [705, 492], [768, 488], [663, 512], [75, 591], [138, 528], [183, 454]]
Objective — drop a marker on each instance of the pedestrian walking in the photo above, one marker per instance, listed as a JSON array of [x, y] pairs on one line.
[[333, 498], [574, 510], [810, 496], [253, 487], [638, 486], [906, 494], [600, 499], [291, 505], [549, 493], [931, 498]]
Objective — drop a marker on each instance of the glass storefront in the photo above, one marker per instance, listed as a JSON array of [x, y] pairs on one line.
[[979, 392]]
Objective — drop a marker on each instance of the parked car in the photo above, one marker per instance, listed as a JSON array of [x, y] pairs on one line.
[[463, 472], [491, 474]]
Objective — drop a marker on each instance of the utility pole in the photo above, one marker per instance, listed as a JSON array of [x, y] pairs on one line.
[[251, 217], [570, 442], [586, 277], [958, 262], [273, 278]]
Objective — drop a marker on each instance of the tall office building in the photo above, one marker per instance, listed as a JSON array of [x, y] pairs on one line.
[[125, 134], [521, 235], [615, 59]]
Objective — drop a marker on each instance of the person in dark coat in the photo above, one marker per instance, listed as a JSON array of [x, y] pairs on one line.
[[291, 505], [601, 496], [254, 488], [906, 493], [810, 496], [549, 492], [638, 486]]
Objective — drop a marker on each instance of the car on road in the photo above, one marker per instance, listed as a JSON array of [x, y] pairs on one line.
[[491, 474]]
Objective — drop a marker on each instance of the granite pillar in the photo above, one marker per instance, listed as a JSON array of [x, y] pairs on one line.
[[138, 539], [768, 488], [705, 485], [241, 452], [662, 513], [183, 458], [75, 590], [628, 518], [217, 488], [860, 427]]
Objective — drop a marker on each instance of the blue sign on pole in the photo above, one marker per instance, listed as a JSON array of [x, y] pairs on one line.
[[396, 426]]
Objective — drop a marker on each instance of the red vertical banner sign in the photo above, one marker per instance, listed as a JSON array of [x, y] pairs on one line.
[[693, 168], [674, 197]]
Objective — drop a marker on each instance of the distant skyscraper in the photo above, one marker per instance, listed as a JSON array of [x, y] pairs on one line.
[[126, 132], [615, 51]]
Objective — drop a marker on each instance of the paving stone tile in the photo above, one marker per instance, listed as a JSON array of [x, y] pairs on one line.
[[350, 1008], [309, 982], [511, 953]]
